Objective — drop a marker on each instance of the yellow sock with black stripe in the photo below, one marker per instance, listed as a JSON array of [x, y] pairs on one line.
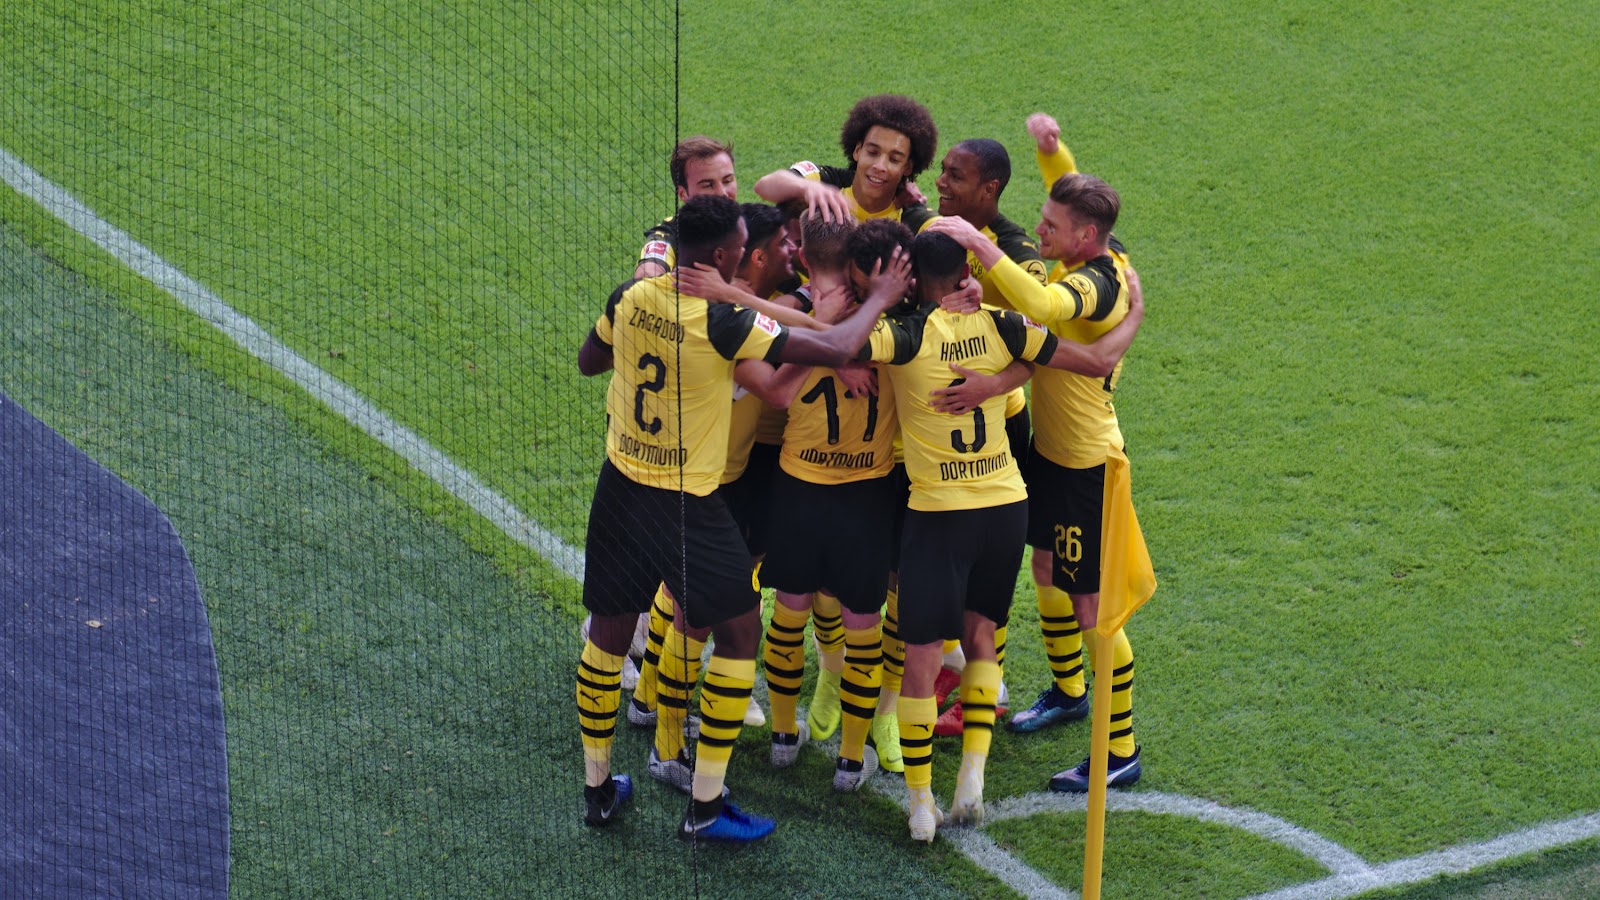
[[599, 695], [980, 688], [894, 649], [1122, 743], [785, 661], [1063, 640], [660, 618], [723, 700], [827, 626], [679, 670], [917, 715], [1000, 648], [859, 688]]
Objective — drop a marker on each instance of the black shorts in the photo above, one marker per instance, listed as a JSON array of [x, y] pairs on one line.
[[899, 497], [834, 536], [1064, 508], [1019, 435], [641, 536], [955, 562], [750, 495]]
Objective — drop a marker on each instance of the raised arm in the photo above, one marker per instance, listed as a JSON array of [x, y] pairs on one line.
[[1055, 160]]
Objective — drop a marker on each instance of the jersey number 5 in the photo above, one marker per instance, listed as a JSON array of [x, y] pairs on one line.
[[980, 431], [656, 383]]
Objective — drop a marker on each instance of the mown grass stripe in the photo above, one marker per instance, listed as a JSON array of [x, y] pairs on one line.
[[260, 343]]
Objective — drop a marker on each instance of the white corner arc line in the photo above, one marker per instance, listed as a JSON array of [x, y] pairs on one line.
[[1332, 856], [258, 342]]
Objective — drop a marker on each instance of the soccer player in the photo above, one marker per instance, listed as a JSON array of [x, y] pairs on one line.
[[699, 166], [888, 140], [1075, 424], [831, 523], [766, 263], [972, 177], [962, 541], [655, 515]]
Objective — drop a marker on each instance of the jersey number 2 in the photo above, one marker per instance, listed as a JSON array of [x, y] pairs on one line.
[[656, 383]]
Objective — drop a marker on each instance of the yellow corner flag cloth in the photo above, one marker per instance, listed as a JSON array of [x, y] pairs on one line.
[[1126, 577]]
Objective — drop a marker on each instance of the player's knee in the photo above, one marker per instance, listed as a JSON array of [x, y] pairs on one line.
[[1043, 561]]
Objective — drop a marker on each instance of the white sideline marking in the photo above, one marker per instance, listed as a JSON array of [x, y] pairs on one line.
[[258, 342], [1352, 875]]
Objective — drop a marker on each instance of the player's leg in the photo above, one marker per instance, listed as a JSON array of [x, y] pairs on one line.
[[1056, 538], [720, 597], [935, 561], [1079, 575], [989, 588], [614, 592], [785, 662], [827, 628], [857, 569], [794, 568], [642, 708]]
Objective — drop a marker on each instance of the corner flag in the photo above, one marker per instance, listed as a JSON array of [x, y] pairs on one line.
[[1126, 577], [1126, 581]]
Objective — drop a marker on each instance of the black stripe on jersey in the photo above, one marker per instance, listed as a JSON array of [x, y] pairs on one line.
[[1117, 245], [1013, 331], [803, 295], [727, 326], [616, 297], [915, 216], [1014, 241], [840, 178], [1102, 270], [665, 230], [907, 330]]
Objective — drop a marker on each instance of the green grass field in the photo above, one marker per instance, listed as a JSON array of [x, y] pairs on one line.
[[1362, 411]]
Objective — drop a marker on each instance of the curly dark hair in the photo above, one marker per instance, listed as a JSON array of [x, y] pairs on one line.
[[706, 221], [898, 112]]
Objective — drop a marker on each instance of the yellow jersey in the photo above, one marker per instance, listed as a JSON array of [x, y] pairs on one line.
[[669, 404], [965, 461]]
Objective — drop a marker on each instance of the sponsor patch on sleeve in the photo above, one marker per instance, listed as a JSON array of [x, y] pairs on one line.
[[656, 250], [768, 324], [806, 169], [1032, 324], [1081, 283]]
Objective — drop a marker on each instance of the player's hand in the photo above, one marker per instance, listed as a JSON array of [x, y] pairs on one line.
[[1135, 292], [889, 280], [968, 298], [705, 282], [859, 379], [966, 395], [829, 202], [959, 229], [830, 306], [909, 194], [1045, 131]]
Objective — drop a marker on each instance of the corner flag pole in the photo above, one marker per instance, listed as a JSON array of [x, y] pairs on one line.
[[1099, 749], [1126, 582]]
